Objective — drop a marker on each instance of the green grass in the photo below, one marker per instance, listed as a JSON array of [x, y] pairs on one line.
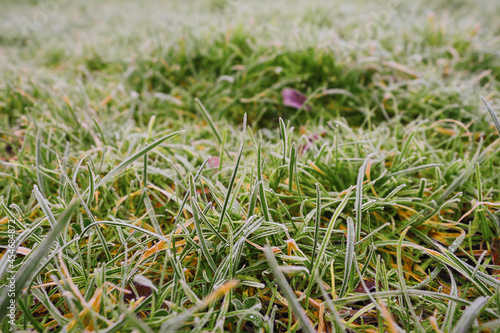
[[156, 181]]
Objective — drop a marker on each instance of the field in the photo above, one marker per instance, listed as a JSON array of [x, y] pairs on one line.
[[249, 166]]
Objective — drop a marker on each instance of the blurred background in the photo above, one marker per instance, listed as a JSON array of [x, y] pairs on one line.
[[156, 56]]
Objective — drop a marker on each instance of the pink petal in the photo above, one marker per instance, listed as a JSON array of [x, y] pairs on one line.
[[293, 98], [213, 162]]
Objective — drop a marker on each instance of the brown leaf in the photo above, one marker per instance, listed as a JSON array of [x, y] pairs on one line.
[[370, 284], [142, 291]]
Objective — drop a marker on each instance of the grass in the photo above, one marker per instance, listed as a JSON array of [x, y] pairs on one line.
[[156, 181]]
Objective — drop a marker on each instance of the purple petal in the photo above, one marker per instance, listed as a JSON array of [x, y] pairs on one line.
[[293, 98], [213, 162], [304, 148]]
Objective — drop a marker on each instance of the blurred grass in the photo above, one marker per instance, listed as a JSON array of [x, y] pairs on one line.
[[87, 99]]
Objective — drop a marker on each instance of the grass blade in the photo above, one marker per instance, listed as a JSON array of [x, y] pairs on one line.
[[452, 306], [197, 225], [331, 306], [135, 157], [209, 119], [25, 274], [263, 200], [291, 167], [359, 195], [181, 207], [492, 113], [402, 282], [328, 234], [287, 290], [465, 323], [316, 224], [349, 256], [414, 169], [253, 199], [233, 176], [43, 204]]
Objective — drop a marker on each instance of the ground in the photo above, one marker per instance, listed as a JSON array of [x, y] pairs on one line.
[[152, 177]]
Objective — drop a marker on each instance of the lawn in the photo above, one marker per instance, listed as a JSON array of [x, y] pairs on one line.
[[249, 166]]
